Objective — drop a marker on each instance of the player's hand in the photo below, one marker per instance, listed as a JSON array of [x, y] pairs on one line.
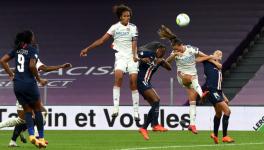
[[66, 65], [160, 60], [43, 82], [83, 53]]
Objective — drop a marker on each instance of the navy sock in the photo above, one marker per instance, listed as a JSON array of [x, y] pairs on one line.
[[29, 122], [39, 123], [18, 129], [216, 125], [149, 118], [155, 113], [225, 125]]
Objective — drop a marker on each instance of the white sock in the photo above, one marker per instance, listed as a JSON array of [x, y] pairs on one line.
[[11, 122], [197, 87], [36, 131], [116, 97], [135, 98], [192, 111]]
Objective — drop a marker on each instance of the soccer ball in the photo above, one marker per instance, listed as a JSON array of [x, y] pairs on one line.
[[182, 19]]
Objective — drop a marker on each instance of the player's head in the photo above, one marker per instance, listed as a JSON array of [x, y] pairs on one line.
[[23, 39], [123, 13], [218, 54], [165, 33], [160, 51]]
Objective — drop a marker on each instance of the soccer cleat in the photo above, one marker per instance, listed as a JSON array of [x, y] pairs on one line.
[[22, 138], [144, 133], [44, 142], [192, 128], [215, 138], [159, 128], [12, 144], [227, 139], [38, 143], [136, 116]]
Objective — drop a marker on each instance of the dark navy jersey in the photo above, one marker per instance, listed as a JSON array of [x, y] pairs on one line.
[[22, 59], [146, 70], [213, 76]]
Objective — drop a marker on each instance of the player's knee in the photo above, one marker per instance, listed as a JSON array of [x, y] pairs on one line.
[[118, 82], [133, 86], [228, 112]]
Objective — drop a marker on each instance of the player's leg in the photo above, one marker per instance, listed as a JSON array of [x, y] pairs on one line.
[[135, 95], [225, 121], [192, 94], [116, 91], [217, 120], [37, 106], [16, 133], [11, 122]]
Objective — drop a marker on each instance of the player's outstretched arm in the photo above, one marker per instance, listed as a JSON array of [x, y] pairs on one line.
[[172, 57], [4, 62], [95, 44], [204, 58], [53, 68], [216, 63]]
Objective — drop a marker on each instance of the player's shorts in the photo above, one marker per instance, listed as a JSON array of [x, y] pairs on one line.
[[26, 93], [215, 96], [181, 82], [125, 64], [18, 106], [143, 86]]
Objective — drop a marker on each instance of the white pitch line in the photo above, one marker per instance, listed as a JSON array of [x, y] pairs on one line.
[[191, 146]]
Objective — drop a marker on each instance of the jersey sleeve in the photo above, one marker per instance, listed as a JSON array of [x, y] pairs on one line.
[[195, 50], [144, 54], [12, 54], [111, 31], [39, 63], [134, 32], [33, 54]]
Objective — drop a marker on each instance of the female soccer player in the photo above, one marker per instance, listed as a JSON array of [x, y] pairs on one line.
[[19, 122], [213, 73], [151, 57], [25, 85], [185, 55], [125, 36]]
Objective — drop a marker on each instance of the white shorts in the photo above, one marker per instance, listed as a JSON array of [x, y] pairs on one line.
[[126, 64], [18, 106], [195, 77]]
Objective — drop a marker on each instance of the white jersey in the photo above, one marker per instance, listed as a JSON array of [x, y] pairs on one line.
[[186, 63], [123, 38], [39, 63]]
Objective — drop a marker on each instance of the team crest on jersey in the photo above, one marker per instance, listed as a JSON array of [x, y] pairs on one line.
[[128, 29]]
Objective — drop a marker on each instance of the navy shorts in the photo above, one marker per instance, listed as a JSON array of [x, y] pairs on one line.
[[26, 93], [143, 86], [215, 96]]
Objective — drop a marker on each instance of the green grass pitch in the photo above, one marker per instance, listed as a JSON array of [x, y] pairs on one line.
[[132, 140]]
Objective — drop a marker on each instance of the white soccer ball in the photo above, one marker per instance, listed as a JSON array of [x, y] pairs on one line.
[[182, 19]]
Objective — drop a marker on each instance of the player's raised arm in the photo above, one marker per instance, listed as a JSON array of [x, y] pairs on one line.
[[204, 58], [95, 44], [4, 62], [46, 68]]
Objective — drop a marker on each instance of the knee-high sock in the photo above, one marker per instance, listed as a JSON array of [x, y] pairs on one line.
[[39, 123], [155, 113], [216, 125], [30, 123], [196, 86], [192, 111], [11, 122], [150, 114], [116, 96], [135, 98], [18, 129], [225, 122]]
